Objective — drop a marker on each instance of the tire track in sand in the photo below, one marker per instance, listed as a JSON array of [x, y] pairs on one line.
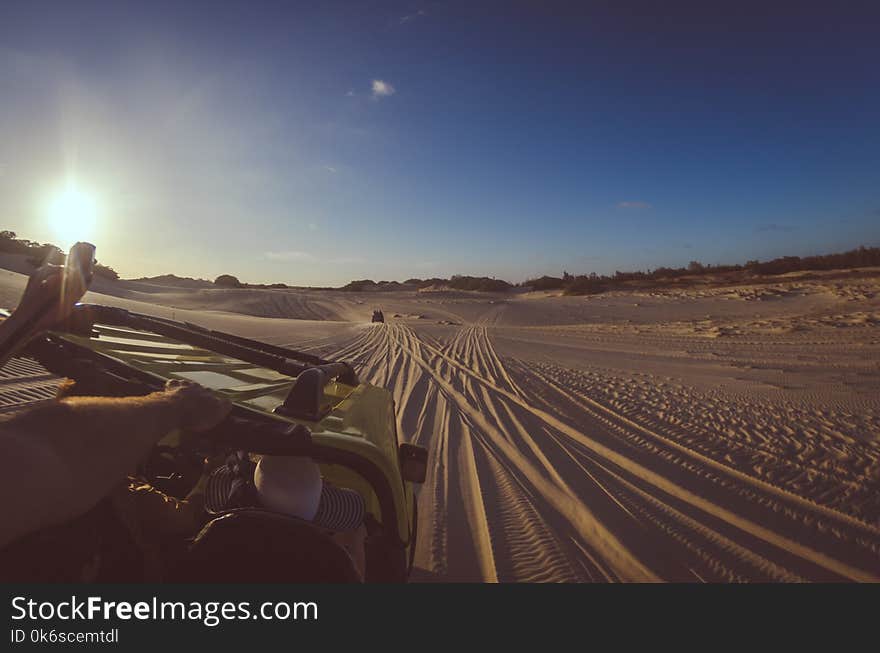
[[571, 491]]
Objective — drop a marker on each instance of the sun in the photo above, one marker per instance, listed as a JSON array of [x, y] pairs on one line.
[[73, 215]]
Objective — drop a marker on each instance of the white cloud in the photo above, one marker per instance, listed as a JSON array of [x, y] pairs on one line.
[[289, 256], [409, 17], [382, 89], [633, 205], [350, 93], [330, 169]]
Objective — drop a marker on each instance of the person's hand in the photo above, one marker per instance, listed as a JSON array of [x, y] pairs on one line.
[[199, 408], [53, 290]]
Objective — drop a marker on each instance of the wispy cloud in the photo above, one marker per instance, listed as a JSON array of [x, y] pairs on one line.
[[382, 89], [774, 227], [631, 204], [289, 256], [420, 13], [330, 169], [350, 93]]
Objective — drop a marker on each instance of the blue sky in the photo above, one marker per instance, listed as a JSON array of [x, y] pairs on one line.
[[313, 143]]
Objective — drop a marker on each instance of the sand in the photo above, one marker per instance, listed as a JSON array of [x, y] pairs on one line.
[[705, 434]]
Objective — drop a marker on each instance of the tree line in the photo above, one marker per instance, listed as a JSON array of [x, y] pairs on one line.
[[584, 284], [39, 253], [589, 284]]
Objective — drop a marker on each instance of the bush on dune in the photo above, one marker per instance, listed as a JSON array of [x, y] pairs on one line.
[[106, 272], [587, 285], [227, 281], [360, 285], [47, 253], [12, 244], [480, 284], [174, 280], [545, 283]]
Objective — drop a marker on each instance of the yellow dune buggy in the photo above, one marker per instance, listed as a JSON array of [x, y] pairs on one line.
[[286, 403]]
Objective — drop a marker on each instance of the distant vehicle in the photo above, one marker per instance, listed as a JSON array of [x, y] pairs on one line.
[[378, 316]]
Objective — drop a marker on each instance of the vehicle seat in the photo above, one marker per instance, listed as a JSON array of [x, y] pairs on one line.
[[257, 546]]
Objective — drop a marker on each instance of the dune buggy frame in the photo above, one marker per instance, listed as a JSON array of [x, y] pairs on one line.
[[351, 428]]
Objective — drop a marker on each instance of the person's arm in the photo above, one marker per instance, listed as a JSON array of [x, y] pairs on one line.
[[61, 459]]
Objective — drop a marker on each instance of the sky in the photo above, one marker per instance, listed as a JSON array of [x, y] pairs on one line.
[[314, 143]]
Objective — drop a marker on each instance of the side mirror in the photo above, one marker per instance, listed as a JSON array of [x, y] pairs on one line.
[[413, 463]]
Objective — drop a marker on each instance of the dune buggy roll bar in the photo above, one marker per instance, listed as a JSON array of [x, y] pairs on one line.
[[290, 362]]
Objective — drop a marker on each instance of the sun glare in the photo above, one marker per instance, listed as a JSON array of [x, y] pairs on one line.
[[72, 216]]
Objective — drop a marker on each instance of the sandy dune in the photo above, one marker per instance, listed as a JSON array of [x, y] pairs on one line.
[[718, 434]]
